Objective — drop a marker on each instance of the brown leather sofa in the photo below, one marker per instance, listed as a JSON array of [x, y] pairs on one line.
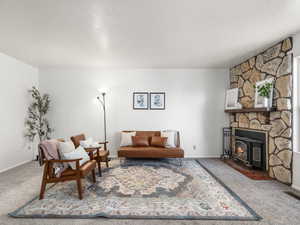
[[151, 152]]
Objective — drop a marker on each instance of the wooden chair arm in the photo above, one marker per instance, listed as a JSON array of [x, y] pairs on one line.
[[91, 149], [104, 143], [62, 160], [49, 163]]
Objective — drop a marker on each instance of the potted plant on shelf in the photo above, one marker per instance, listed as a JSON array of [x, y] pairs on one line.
[[264, 94]]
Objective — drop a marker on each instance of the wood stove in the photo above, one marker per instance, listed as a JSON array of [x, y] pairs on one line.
[[250, 148]]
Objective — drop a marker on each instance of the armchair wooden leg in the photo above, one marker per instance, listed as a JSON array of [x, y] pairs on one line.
[[44, 182], [43, 188], [79, 187], [107, 162], [94, 176], [99, 168]]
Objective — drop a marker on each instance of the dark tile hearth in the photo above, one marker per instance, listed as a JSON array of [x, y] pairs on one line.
[[248, 172]]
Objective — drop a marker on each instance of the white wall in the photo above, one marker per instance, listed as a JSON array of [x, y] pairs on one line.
[[15, 80], [296, 114], [296, 44], [194, 104]]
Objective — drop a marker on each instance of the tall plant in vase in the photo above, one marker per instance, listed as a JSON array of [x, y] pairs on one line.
[[36, 123]]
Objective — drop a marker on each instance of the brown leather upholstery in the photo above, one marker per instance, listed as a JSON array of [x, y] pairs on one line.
[[140, 141], [76, 139], [159, 141], [154, 133], [151, 152], [85, 168], [103, 153], [148, 133]]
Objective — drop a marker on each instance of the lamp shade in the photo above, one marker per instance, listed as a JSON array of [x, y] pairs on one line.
[[103, 90]]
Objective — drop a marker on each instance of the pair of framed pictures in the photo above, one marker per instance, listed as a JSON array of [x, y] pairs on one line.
[[142, 100]]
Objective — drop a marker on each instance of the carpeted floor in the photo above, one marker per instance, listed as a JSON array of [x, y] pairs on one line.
[[144, 189], [267, 198]]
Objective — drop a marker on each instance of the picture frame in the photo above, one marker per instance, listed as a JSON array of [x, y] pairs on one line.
[[140, 100], [157, 100], [232, 97], [263, 102]]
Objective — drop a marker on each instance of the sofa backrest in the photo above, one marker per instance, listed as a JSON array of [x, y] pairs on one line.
[[155, 133], [148, 133]]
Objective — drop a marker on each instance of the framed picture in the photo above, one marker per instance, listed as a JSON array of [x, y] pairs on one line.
[[260, 101], [140, 100], [157, 100], [232, 96]]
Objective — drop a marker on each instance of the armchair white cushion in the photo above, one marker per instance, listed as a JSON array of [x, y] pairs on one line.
[[78, 153], [65, 147]]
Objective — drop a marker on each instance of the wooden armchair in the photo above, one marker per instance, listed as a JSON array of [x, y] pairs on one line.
[[100, 155], [69, 174]]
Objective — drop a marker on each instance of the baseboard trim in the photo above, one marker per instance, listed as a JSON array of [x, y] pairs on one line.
[[12, 167], [187, 157], [297, 188]]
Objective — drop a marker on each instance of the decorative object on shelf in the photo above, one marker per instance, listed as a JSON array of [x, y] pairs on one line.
[[102, 101], [36, 123], [264, 93], [232, 96], [140, 100], [157, 100]]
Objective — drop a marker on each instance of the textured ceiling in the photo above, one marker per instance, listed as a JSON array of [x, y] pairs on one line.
[[143, 33]]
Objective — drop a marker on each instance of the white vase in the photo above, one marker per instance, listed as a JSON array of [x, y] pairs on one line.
[[267, 103]]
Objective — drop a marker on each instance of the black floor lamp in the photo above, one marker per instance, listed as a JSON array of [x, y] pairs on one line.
[[102, 101]]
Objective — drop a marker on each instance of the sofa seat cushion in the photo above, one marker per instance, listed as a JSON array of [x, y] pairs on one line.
[[150, 152]]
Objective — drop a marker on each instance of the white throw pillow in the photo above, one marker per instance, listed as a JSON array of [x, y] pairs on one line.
[[65, 147], [171, 138], [78, 153], [126, 138], [86, 143]]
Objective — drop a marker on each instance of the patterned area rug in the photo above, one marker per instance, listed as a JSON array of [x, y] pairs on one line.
[[148, 189]]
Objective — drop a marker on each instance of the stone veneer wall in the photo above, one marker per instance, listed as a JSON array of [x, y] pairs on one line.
[[275, 62]]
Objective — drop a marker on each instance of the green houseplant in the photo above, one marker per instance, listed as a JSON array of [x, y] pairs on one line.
[[36, 123], [264, 90], [264, 93]]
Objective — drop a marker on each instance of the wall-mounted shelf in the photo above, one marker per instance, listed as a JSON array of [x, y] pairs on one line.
[[248, 110], [265, 111]]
